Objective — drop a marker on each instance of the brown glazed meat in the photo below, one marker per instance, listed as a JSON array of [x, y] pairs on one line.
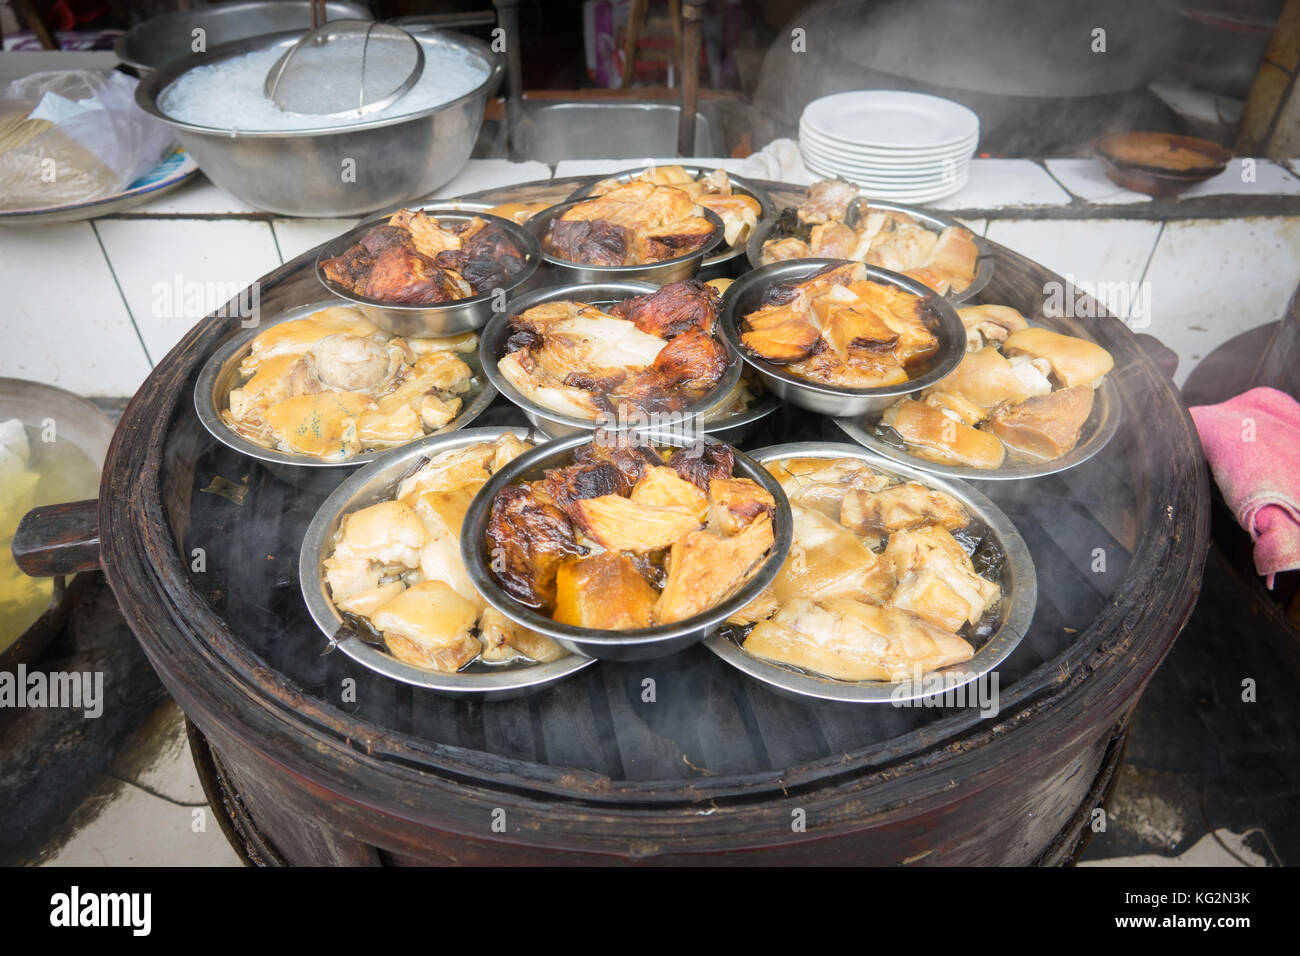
[[415, 260], [674, 309], [703, 462], [529, 537], [593, 242]]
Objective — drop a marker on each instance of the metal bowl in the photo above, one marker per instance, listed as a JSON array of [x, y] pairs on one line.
[[161, 39], [220, 374], [983, 266], [639, 644], [492, 345], [660, 273], [745, 295], [299, 172], [1097, 432], [451, 318], [373, 484], [726, 261], [1019, 597]]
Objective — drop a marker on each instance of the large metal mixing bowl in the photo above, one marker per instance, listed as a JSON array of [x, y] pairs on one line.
[[306, 172], [158, 40]]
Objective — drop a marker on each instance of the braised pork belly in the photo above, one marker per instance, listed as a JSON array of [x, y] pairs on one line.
[[333, 386], [395, 568], [629, 536], [1020, 394], [650, 353], [414, 259], [875, 585], [739, 212], [833, 223], [630, 224], [840, 329]]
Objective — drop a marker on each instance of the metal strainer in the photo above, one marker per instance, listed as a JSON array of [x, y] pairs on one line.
[[346, 68]]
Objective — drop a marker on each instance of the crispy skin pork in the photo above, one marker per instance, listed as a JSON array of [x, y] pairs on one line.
[[621, 524], [703, 462], [705, 568], [827, 200], [668, 541], [415, 260], [529, 539], [674, 309], [820, 226], [836, 328], [630, 224], [652, 353]]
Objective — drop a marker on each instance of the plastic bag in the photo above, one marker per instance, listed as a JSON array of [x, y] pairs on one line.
[[74, 136]]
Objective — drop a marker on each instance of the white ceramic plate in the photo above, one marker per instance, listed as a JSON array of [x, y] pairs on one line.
[[891, 119]]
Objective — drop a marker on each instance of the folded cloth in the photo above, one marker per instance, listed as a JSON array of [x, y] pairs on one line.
[[1252, 443], [779, 160]]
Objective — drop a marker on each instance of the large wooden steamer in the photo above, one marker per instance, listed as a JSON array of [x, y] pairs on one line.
[[312, 760]]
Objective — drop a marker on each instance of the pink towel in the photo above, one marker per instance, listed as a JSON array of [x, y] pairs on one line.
[[1253, 445]]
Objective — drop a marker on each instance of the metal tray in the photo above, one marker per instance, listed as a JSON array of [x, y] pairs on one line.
[[1019, 596], [983, 265], [1097, 432], [374, 484], [220, 374]]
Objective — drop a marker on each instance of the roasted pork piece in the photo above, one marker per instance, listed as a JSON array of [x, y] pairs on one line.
[[416, 260], [739, 213], [618, 540], [839, 329], [396, 566], [649, 353], [632, 224], [332, 386], [875, 585], [825, 225], [1019, 390]]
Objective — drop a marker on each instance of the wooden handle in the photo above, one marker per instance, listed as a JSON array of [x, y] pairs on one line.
[[58, 539]]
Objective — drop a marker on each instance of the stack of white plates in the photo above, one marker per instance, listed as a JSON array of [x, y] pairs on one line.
[[908, 147]]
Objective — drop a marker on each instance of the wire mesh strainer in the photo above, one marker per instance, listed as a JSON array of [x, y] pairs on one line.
[[346, 68]]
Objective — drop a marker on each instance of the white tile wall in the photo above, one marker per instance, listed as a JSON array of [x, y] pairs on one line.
[[1086, 252], [63, 319], [1087, 179], [296, 236], [1001, 183], [1213, 279], [481, 174], [153, 258]]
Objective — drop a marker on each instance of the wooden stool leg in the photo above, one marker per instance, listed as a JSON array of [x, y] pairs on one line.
[[635, 15], [28, 16]]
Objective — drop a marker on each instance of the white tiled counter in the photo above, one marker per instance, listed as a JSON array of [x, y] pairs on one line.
[[92, 306]]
